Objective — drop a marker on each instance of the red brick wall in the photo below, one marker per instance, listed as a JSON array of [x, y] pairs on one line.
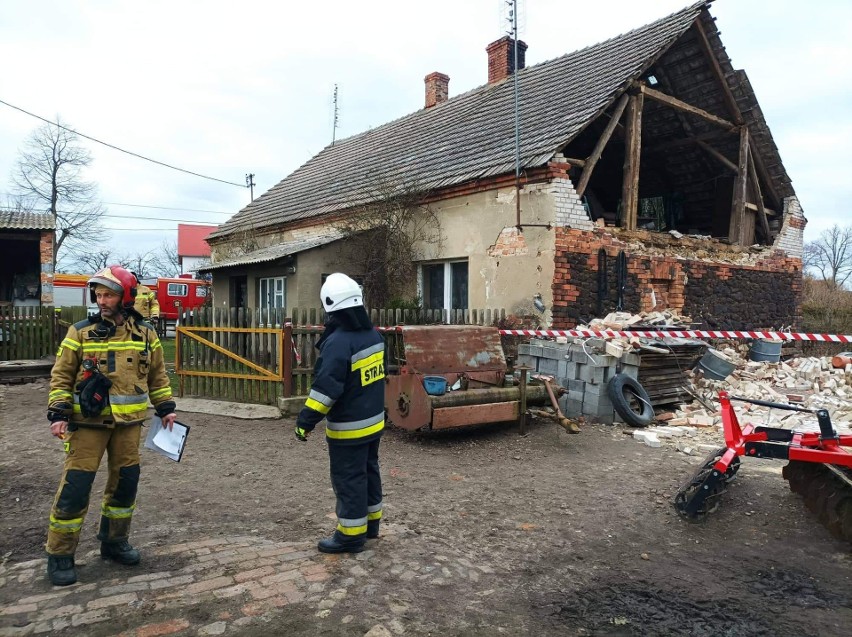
[[765, 294], [45, 250]]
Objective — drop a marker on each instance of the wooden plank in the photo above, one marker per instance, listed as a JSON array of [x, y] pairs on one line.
[[755, 185], [602, 142], [728, 95], [735, 230], [686, 108], [448, 417]]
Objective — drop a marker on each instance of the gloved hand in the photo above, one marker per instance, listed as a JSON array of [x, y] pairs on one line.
[[302, 434]]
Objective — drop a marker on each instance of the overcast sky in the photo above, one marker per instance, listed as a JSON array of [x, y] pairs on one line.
[[226, 88]]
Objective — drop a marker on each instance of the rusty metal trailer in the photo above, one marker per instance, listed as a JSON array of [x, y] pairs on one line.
[[471, 360]]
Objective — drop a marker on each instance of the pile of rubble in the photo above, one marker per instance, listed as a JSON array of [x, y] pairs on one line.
[[809, 382]]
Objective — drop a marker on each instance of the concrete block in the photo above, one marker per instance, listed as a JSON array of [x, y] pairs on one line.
[[532, 349], [571, 408], [575, 385], [575, 395], [593, 403], [529, 361], [548, 366], [557, 352], [630, 358]]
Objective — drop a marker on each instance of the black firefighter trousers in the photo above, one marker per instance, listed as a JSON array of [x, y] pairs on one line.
[[358, 486]]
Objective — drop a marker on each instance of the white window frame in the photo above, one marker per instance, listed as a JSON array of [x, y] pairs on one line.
[[172, 290], [263, 298], [448, 281]]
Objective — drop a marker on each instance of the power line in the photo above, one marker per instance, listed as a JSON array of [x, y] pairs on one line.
[[140, 205], [153, 161], [109, 216]]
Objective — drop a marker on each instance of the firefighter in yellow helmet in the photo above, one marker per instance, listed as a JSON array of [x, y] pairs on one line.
[[107, 369], [146, 302]]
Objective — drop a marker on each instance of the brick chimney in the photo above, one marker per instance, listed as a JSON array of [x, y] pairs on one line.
[[437, 88], [501, 58]]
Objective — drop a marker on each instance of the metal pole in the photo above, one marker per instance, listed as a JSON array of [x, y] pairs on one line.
[[522, 416], [517, 122]]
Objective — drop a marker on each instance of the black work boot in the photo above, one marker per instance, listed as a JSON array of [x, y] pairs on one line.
[[372, 529], [120, 552], [60, 570], [334, 545]]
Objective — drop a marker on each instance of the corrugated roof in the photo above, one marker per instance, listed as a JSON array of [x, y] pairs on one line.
[[469, 136], [271, 253], [20, 220]]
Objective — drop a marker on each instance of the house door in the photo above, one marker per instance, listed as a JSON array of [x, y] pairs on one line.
[[238, 291]]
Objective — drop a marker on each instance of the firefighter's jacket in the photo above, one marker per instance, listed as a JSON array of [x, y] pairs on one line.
[[348, 388], [130, 355], [146, 302]]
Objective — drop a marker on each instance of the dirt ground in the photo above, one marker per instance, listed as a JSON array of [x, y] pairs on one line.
[[572, 535]]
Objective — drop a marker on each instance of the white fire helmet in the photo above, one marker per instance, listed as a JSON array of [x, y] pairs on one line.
[[339, 292]]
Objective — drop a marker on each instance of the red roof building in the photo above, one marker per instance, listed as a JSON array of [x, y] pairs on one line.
[[192, 248]]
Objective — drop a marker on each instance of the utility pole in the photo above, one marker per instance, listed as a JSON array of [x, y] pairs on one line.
[[250, 184], [334, 121]]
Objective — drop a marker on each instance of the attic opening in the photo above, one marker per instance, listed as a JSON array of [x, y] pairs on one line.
[[674, 152]]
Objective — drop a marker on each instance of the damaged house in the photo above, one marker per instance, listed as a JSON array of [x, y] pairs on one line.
[[26, 258], [647, 178]]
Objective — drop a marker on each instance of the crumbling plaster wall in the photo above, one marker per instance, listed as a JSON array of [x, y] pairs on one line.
[[506, 267]]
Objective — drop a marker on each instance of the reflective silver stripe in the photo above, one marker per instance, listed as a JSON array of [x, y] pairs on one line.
[[321, 398], [375, 507], [364, 353], [352, 522], [132, 399], [356, 424]]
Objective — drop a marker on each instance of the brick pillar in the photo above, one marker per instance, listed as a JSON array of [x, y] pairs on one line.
[[501, 58], [437, 88], [45, 250]]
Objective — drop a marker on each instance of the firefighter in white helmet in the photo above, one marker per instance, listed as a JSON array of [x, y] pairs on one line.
[[108, 368], [348, 391]]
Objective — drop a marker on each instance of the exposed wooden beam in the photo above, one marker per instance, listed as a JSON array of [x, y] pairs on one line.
[[735, 229], [767, 180], [632, 153], [687, 108], [715, 153], [602, 142], [755, 185], [686, 141], [730, 100]]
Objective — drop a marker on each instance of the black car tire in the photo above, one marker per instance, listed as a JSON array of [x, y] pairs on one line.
[[630, 400]]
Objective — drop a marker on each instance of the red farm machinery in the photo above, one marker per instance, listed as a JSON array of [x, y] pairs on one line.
[[819, 466]]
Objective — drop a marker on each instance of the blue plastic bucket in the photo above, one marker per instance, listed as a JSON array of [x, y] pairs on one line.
[[435, 385]]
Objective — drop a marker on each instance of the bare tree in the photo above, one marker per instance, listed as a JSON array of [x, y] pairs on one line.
[[166, 261], [144, 264], [90, 261], [831, 255], [49, 177], [387, 237]]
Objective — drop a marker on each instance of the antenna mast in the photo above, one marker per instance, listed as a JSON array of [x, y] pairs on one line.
[[513, 32], [334, 120]]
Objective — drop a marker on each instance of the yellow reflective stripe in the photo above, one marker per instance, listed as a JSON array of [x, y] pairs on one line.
[[59, 393], [104, 412], [65, 526], [70, 344], [160, 393], [128, 410], [376, 515], [117, 512], [354, 433], [156, 345], [352, 530], [116, 346], [310, 403], [378, 357]]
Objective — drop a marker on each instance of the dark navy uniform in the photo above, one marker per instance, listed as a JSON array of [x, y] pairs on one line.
[[348, 391]]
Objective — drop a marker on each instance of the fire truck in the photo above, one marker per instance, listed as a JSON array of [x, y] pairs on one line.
[[174, 295], [178, 294]]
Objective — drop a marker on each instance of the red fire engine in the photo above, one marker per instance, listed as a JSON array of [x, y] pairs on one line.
[[179, 294]]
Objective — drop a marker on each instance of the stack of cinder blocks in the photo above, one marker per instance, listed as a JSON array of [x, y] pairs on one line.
[[584, 369]]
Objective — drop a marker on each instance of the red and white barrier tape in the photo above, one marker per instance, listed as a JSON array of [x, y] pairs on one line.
[[784, 336]]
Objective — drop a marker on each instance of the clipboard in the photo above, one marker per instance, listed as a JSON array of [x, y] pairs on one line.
[[170, 444]]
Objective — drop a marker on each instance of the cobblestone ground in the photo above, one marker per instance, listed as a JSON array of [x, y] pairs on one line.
[[252, 585]]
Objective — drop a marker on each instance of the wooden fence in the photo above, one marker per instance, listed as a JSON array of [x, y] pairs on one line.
[[34, 332], [255, 356]]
